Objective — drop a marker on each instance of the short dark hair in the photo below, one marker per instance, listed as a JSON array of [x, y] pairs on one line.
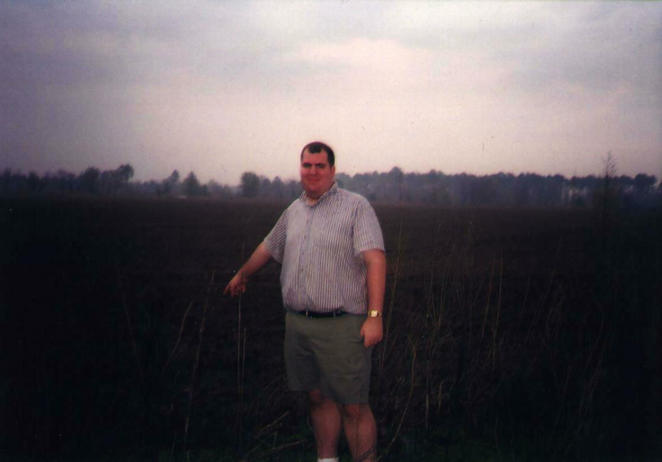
[[317, 147]]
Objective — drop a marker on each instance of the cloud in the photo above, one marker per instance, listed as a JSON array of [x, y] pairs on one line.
[[223, 87], [597, 48]]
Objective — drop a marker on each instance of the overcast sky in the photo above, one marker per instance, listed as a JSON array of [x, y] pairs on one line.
[[220, 88]]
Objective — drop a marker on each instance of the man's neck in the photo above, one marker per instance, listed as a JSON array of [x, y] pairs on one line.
[[310, 200]]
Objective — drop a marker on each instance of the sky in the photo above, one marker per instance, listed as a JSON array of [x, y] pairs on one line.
[[224, 87]]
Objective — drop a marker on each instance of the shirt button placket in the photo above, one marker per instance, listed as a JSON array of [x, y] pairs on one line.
[[306, 252], [303, 263]]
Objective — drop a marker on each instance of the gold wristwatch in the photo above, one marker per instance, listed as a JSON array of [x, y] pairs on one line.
[[374, 313]]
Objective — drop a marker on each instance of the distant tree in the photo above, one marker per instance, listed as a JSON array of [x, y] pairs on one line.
[[644, 184], [505, 186], [88, 180], [217, 190], [482, 191], [396, 178], [13, 182], [551, 191], [265, 187], [250, 184], [34, 183], [192, 186], [174, 177], [66, 180], [292, 189], [170, 184], [607, 196], [147, 188], [523, 190], [608, 193], [344, 181], [124, 173], [5, 181], [113, 181], [277, 188]]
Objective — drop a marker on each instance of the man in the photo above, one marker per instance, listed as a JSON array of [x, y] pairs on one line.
[[332, 279]]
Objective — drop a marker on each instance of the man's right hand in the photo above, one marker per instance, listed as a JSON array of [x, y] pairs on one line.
[[257, 260], [237, 285]]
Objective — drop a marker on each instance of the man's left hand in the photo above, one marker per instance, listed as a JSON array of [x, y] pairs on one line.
[[372, 331]]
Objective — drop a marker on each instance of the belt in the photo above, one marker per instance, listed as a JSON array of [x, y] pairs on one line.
[[317, 314]]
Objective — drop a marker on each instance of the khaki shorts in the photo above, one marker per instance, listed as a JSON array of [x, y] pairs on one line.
[[328, 354]]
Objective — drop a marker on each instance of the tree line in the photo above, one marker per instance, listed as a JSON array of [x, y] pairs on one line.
[[395, 186]]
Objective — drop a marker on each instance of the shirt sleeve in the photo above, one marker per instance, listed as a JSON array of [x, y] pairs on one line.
[[367, 232], [275, 240]]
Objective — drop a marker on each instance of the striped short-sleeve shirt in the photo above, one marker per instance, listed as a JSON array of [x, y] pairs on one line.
[[319, 247]]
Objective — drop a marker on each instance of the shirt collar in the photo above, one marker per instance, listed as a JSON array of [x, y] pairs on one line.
[[331, 191]]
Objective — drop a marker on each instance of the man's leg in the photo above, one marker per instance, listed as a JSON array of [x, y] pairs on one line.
[[325, 417], [360, 431]]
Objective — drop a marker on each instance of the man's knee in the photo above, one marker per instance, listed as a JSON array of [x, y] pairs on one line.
[[353, 412]]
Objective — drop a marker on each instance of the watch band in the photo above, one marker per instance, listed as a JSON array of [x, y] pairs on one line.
[[374, 313]]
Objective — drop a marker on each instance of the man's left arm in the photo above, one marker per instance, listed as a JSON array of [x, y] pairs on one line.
[[372, 330]]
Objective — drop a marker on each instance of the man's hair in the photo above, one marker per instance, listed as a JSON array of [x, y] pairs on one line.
[[316, 147]]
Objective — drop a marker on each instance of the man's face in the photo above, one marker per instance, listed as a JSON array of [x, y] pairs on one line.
[[317, 175]]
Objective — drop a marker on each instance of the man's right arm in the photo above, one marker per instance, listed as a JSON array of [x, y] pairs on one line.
[[257, 260]]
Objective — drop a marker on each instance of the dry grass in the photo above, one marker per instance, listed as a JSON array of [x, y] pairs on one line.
[[509, 335]]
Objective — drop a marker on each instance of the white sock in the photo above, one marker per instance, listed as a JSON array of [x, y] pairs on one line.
[[328, 459]]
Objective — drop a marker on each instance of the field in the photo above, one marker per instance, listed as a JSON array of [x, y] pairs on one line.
[[510, 334]]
